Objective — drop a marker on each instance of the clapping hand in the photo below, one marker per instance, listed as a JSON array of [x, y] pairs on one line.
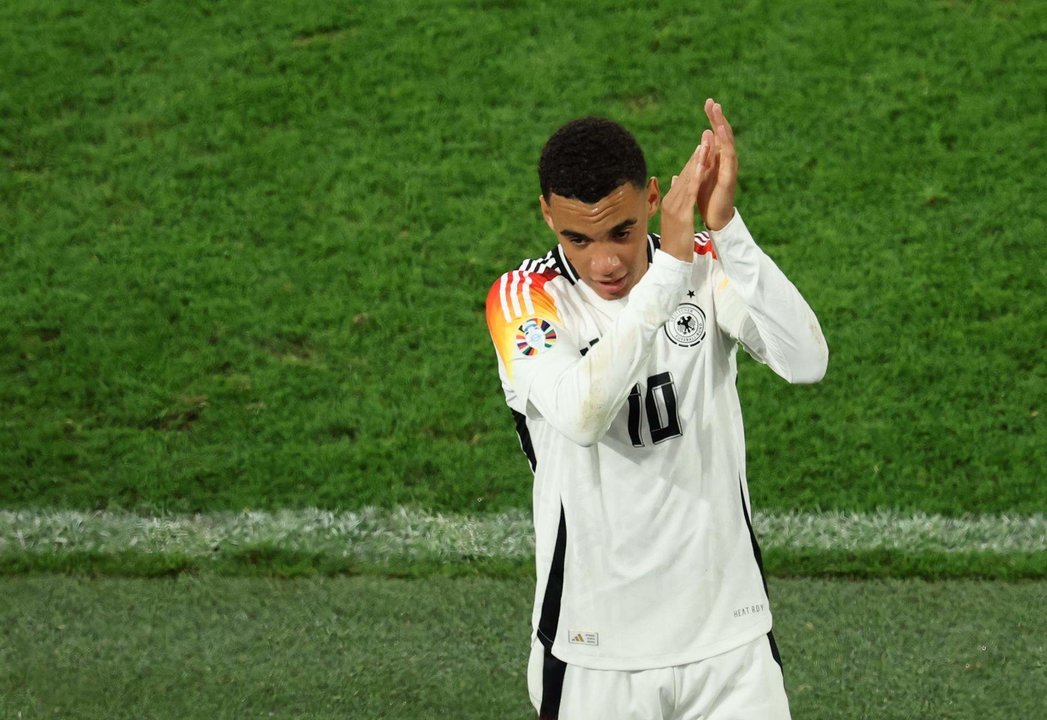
[[707, 181]]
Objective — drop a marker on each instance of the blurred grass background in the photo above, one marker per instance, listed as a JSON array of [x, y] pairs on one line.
[[244, 247]]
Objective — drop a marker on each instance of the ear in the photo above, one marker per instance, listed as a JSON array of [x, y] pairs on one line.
[[653, 196], [546, 213]]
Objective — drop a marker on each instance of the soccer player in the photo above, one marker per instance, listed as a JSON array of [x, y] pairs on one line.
[[616, 352]]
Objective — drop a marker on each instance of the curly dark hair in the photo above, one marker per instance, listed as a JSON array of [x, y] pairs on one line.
[[588, 158]]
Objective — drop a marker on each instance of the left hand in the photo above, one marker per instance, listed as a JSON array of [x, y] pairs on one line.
[[716, 195]]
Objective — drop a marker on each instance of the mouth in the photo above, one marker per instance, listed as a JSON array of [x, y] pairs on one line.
[[612, 287]]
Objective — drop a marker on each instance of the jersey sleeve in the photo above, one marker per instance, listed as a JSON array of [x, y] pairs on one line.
[[757, 305], [540, 359]]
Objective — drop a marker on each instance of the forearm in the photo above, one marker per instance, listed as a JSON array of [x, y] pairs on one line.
[[789, 332], [581, 396]]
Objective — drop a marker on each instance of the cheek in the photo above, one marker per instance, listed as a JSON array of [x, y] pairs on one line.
[[638, 257], [576, 257]]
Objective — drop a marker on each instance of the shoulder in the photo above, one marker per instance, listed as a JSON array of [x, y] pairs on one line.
[[528, 290]]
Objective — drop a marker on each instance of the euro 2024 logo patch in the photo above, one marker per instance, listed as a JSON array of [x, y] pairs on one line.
[[535, 336], [686, 326]]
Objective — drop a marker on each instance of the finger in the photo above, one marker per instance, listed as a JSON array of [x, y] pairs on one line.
[[727, 127], [688, 168], [718, 122], [689, 173], [710, 149], [728, 156], [709, 105], [723, 128], [701, 165], [714, 112]]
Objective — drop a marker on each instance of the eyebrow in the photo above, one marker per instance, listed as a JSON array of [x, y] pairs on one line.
[[575, 235]]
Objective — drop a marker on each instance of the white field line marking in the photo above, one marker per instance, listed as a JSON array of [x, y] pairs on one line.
[[377, 535]]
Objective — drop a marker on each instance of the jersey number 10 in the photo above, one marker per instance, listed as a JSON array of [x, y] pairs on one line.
[[663, 421]]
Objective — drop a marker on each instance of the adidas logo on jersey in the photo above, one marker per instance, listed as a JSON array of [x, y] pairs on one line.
[[576, 637]]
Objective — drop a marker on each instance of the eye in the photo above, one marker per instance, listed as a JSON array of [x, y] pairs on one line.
[[623, 234], [580, 242]]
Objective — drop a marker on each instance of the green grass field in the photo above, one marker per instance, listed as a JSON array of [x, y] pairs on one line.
[[244, 250], [212, 647]]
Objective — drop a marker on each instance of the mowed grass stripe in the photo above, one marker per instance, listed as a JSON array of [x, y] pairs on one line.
[[415, 541]]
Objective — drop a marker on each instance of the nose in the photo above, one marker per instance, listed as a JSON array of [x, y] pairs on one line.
[[605, 262]]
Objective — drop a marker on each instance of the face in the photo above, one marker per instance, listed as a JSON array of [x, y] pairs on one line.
[[605, 241]]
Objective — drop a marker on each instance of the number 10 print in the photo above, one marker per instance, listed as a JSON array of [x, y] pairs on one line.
[[660, 406]]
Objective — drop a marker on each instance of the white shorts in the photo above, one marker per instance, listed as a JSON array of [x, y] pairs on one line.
[[740, 684]]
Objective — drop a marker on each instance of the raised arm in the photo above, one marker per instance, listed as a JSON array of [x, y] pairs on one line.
[[758, 306], [756, 303]]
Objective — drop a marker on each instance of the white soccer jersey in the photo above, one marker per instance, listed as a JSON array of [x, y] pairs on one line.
[[628, 413]]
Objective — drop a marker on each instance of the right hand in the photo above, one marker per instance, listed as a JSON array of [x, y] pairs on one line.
[[677, 227]]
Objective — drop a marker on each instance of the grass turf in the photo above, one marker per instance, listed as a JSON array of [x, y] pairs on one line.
[[244, 253], [205, 647]]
